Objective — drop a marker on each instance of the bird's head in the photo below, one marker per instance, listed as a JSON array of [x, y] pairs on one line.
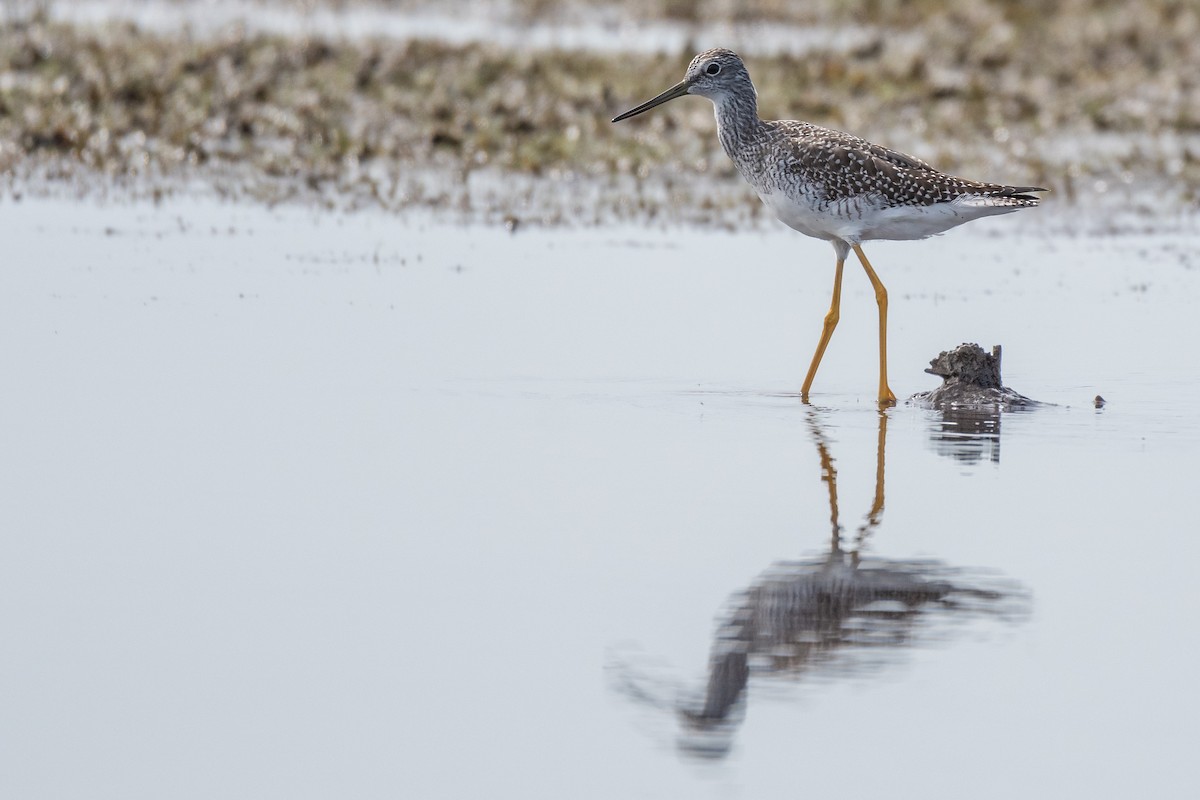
[[715, 74]]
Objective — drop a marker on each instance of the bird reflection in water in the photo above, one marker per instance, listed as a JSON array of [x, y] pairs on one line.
[[836, 615]]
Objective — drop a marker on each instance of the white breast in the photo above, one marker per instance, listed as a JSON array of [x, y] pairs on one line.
[[802, 215]]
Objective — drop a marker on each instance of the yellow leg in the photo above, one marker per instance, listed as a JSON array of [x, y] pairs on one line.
[[831, 321], [886, 398]]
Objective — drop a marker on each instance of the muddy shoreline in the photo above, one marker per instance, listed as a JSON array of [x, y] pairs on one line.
[[1108, 112]]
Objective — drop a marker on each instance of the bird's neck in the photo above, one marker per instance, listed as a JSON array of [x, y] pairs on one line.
[[737, 120]]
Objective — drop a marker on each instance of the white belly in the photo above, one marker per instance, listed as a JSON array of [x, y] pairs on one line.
[[806, 217], [864, 218]]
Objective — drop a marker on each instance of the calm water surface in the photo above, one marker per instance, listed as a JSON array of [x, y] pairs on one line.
[[496, 23], [316, 505]]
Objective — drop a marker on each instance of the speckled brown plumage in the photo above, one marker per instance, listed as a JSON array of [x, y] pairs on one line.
[[847, 166], [835, 185]]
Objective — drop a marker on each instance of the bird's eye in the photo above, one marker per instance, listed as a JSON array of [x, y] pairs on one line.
[[713, 69]]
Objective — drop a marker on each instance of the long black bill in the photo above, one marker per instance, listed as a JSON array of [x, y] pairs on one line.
[[678, 90]]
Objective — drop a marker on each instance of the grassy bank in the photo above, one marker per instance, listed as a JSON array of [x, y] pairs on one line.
[[1072, 99]]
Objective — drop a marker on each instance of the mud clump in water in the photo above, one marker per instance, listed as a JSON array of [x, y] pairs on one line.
[[971, 379]]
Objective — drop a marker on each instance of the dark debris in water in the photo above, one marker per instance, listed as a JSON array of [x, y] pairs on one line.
[[970, 379]]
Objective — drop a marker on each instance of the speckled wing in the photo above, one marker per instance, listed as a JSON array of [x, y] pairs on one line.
[[846, 167]]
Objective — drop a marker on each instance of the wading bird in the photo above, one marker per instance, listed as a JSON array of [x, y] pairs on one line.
[[833, 185]]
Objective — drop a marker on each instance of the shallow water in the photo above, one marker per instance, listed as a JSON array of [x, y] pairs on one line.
[[595, 29], [311, 505]]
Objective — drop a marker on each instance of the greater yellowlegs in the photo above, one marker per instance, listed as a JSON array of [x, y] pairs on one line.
[[833, 185]]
